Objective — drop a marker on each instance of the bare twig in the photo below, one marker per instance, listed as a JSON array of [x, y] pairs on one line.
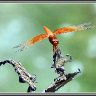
[[60, 81], [58, 65], [24, 76]]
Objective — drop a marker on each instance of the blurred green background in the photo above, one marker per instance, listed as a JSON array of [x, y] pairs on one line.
[[20, 22]]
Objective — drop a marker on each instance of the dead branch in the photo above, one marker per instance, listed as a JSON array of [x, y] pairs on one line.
[[60, 82], [24, 76], [58, 65]]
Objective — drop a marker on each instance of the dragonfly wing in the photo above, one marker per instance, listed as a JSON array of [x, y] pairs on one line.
[[73, 28], [36, 39], [31, 41]]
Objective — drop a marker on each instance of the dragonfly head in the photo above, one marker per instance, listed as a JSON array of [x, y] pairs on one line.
[[55, 42]]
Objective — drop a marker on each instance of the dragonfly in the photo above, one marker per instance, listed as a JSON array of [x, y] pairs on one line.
[[52, 35]]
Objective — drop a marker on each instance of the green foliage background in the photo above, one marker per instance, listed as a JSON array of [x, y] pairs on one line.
[[20, 22]]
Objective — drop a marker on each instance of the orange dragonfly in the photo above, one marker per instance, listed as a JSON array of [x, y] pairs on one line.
[[52, 35]]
